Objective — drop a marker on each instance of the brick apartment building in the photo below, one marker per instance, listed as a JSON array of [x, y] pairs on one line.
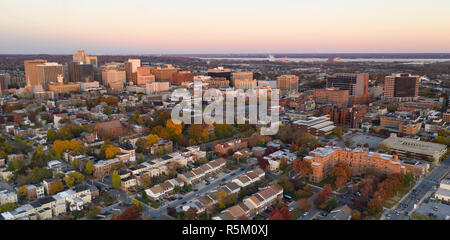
[[182, 76], [110, 129], [351, 117], [325, 158], [233, 145]]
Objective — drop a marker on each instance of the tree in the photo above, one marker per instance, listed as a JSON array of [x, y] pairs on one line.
[[7, 207], [356, 215], [59, 146], [304, 204], [70, 181], [287, 185], [93, 211], [116, 180], [323, 196], [348, 142], [286, 213], [51, 135], [303, 167], [263, 163], [191, 214], [73, 178], [375, 206], [152, 139], [75, 163], [341, 172], [131, 213], [283, 164], [331, 204], [337, 132], [56, 187], [111, 152], [16, 165], [408, 179], [221, 198], [280, 214], [22, 191], [39, 159], [88, 169]]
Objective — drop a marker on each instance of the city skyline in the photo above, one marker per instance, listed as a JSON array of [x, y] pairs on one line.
[[181, 27]]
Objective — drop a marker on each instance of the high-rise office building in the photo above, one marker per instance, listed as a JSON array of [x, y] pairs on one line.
[[287, 83], [81, 72], [113, 77], [401, 87], [357, 84], [242, 76], [48, 72], [81, 57], [31, 74], [131, 67], [3, 83], [142, 76]]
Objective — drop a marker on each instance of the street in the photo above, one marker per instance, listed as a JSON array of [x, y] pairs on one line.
[[155, 213], [423, 189]]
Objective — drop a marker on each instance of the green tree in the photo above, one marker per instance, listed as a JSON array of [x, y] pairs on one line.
[[7, 207], [51, 135], [356, 215], [70, 181], [88, 168], [75, 163], [116, 180], [22, 191]]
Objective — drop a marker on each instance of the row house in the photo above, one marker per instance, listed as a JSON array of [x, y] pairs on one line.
[[48, 207], [126, 155], [249, 178], [253, 205], [164, 189], [209, 200], [128, 182], [35, 192], [165, 145], [197, 174], [7, 196], [49, 183]]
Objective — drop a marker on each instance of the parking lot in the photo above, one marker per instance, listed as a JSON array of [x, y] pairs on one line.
[[362, 139], [437, 210]]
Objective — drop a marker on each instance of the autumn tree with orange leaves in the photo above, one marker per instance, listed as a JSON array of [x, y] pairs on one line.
[[131, 213], [341, 173]]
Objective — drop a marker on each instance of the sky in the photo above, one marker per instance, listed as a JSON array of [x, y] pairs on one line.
[[232, 26]]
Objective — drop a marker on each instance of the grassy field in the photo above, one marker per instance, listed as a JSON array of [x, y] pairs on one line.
[[296, 213], [394, 200], [418, 216], [328, 180], [149, 202]]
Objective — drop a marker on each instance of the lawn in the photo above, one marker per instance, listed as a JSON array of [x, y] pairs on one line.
[[394, 200], [149, 202], [296, 213], [418, 216], [328, 180]]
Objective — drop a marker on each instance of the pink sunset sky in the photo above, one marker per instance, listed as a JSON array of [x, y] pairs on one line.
[[201, 26]]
